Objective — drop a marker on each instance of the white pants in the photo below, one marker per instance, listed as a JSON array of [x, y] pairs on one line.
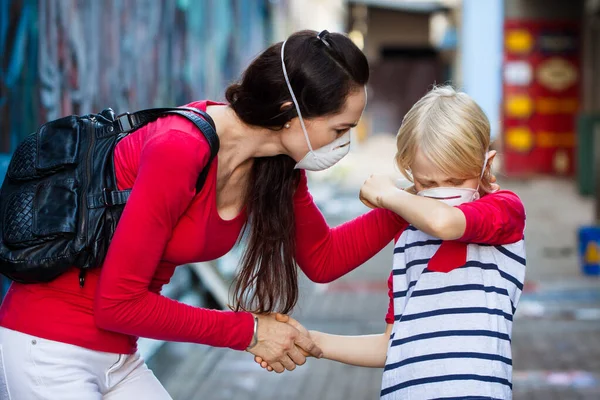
[[34, 368]]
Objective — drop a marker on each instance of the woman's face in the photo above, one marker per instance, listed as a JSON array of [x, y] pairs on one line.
[[324, 130]]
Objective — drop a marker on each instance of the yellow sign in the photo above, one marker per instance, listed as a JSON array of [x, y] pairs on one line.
[[556, 105], [519, 41], [557, 74], [519, 139], [592, 253], [522, 139], [554, 139], [518, 106]]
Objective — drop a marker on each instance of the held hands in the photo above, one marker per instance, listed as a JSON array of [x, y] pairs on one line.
[[283, 343], [263, 362]]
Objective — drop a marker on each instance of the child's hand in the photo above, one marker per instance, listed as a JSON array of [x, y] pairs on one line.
[[289, 320], [375, 189]]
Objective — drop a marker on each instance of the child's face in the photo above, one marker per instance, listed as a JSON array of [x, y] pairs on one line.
[[427, 176]]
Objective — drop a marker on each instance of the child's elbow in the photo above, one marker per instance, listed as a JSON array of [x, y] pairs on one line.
[[448, 225]]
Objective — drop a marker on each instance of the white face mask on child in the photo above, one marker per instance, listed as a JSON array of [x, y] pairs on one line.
[[454, 196], [326, 156]]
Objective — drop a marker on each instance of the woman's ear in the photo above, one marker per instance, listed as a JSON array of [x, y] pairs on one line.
[[286, 106]]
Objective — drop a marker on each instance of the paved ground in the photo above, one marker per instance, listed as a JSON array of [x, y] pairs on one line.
[[556, 338]]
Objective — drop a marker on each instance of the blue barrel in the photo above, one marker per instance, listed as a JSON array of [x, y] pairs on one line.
[[589, 249]]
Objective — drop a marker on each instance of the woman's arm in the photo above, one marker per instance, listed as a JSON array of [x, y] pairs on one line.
[[324, 253], [362, 351], [164, 187]]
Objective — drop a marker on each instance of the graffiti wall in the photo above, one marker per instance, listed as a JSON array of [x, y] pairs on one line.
[[59, 57]]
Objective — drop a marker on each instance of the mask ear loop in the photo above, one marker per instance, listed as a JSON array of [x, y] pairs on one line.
[[287, 80], [476, 196]]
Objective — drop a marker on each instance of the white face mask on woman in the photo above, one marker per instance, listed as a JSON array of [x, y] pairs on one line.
[[454, 196], [323, 157]]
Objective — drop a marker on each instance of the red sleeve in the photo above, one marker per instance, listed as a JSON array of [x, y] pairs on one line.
[[389, 317], [497, 218], [164, 187], [324, 253]]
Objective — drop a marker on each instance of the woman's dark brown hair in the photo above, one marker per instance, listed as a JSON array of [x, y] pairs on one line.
[[322, 74]]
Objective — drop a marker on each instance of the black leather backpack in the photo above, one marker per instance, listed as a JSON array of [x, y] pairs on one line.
[[59, 203]]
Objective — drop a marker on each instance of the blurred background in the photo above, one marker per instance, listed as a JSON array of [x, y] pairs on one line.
[[533, 66]]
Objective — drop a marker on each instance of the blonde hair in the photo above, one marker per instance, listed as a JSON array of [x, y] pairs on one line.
[[451, 130]]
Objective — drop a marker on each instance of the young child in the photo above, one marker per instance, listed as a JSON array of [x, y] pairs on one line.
[[458, 266]]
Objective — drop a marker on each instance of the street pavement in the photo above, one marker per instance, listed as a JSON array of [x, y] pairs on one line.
[[556, 334]]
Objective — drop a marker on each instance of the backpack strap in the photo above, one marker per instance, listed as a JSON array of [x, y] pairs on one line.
[[129, 122], [205, 126]]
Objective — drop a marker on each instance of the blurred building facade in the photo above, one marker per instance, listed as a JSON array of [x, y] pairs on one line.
[[530, 64], [75, 57], [64, 57], [410, 46]]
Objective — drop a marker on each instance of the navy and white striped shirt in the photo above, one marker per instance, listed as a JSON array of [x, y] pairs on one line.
[[451, 337]]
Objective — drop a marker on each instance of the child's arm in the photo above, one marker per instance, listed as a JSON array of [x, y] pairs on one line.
[[367, 351], [362, 351], [497, 218], [428, 215]]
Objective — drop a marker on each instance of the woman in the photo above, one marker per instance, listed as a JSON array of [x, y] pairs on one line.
[[60, 341]]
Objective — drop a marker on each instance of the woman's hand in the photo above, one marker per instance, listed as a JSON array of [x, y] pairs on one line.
[[281, 345], [289, 320], [375, 189]]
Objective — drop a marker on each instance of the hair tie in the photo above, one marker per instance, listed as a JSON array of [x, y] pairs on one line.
[[322, 37]]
